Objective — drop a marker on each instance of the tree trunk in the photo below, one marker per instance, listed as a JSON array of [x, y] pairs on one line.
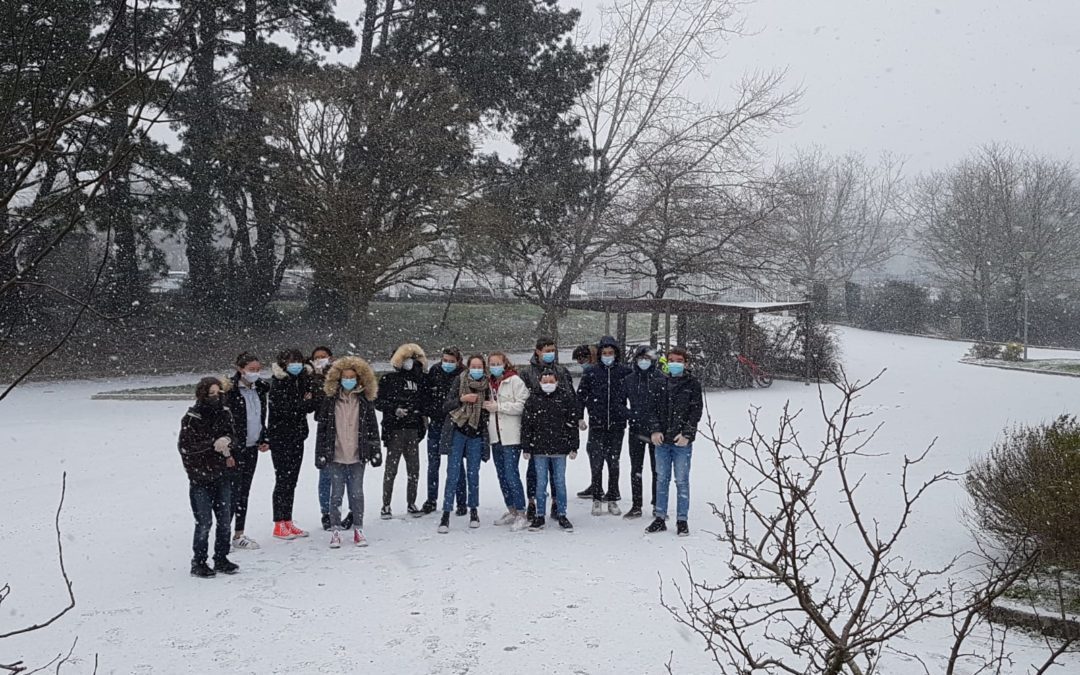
[[359, 325], [450, 300], [548, 325]]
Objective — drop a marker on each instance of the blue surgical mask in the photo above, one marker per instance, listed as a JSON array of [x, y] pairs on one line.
[[607, 360], [348, 383], [497, 371], [548, 357], [675, 369], [294, 368], [448, 367], [644, 364], [476, 373]]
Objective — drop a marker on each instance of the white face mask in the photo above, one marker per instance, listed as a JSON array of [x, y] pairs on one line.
[[549, 387], [251, 377], [407, 364], [322, 363]]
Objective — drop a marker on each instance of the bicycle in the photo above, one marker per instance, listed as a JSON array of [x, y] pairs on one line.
[[738, 372]]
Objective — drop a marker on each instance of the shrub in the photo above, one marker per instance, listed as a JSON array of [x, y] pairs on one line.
[[984, 350], [1013, 351], [896, 306], [1026, 491]]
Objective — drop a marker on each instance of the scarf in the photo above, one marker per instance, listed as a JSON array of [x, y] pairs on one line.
[[469, 413], [507, 374]]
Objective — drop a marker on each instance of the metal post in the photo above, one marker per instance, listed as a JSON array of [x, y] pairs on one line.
[[667, 331], [1026, 256]]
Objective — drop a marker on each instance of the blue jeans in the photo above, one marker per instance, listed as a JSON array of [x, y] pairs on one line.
[[465, 449], [668, 457], [530, 479], [324, 488], [556, 464], [506, 459], [434, 462], [347, 478], [211, 501]]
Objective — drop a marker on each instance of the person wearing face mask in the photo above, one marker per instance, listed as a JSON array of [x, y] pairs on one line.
[[645, 387], [246, 400], [321, 359], [586, 356], [465, 434], [678, 414], [437, 384], [508, 397], [347, 440], [403, 425], [602, 391], [207, 442], [549, 434], [291, 401]]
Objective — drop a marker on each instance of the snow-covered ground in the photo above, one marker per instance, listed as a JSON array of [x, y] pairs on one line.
[[480, 601]]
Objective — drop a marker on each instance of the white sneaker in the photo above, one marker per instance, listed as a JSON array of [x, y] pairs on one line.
[[519, 524], [507, 518], [335, 539], [244, 543], [597, 507], [613, 508], [359, 539]]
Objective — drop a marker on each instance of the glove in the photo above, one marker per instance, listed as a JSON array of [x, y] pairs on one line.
[[376, 459], [487, 453], [222, 444], [582, 424], [682, 441], [526, 456], [573, 454], [320, 462], [401, 412], [657, 438]]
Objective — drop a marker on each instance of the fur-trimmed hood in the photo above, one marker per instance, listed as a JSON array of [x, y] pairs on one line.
[[409, 351], [365, 375], [280, 374]]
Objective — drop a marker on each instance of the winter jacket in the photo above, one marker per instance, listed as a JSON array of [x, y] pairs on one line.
[[234, 401], [549, 424], [602, 391], [680, 407], [645, 389], [451, 403], [531, 373], [288, 423], [437, 384], [504, 427], [201, 426], [403, 389], [326, 434]]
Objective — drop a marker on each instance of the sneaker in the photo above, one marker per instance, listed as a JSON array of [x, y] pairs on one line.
[[681, 528], [444, 524], [537, 524], [462, 510], [412, 510], [507, 518], [565, 524], [244, 543], [474, 519], [335, 539], [587, 493], [657, 525], [428, 507], [295, 530], [226, 566], [519, 524], [530, 511], [202, 571], [326, 522], [358, 538], [283, 531], [613, 508], [634, 512], [597, 507], [386, 514], [346, 522]]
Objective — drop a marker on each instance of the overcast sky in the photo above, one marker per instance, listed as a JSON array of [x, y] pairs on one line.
[[929, 80]]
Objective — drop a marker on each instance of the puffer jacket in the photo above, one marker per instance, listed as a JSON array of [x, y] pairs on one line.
[[504, 426], [681, 407], [234, 401], [549, 424], [201, 426], [326, 434], [602, 391], [645, 390], [403, 389], [288, 423]]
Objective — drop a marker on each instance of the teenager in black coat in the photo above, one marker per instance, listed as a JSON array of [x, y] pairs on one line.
[[292, 399], [549, 434]]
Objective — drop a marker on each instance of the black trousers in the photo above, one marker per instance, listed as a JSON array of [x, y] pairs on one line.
[[605, 448], [246, 461], [209, 502], [637, 445], [399, 443], [287, 457]]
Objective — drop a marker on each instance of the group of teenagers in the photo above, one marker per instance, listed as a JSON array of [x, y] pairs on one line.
[[471, 410]]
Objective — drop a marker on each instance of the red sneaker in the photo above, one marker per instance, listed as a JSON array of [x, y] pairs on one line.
[[297, 532], [283, 531], [359, 539]]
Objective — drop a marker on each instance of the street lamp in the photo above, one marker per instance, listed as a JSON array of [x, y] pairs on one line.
[[1026, 256]]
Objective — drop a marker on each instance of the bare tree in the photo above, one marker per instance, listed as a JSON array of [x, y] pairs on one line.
[[817, 589]]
